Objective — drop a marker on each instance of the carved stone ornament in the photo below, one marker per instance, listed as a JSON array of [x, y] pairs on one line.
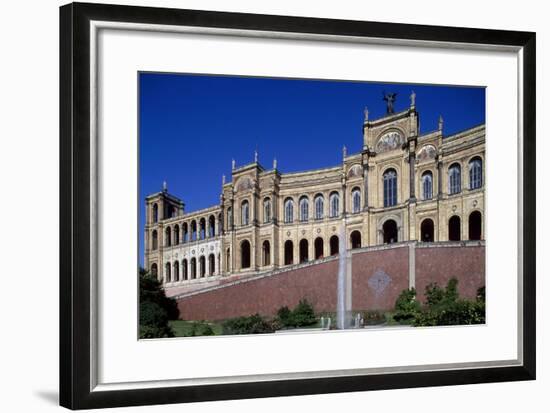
[[288, 233], [318, 230], [244, 183], [379, 281], [355, 171], [389, 141], [426, 152]]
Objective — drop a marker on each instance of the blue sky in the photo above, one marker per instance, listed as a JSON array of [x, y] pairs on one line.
[[192, 126]]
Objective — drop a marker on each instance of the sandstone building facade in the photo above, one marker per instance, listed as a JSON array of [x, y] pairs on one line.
[[402, 186]]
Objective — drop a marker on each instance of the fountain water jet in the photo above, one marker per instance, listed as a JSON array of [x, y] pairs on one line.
[[342, 321]]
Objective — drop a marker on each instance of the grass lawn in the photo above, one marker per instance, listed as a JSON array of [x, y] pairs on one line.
[[184, 328]]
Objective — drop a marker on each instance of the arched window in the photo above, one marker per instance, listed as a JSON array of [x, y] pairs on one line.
[[304, 209], [474, 226], [245, 254], [184, 270], [168, 237], [155, 237], [266, 252], [319, 206], [390, 187], [155, 213], [427, 230], [176, 271], [319, 245], [193, 230], [211, 264], [390, 231], [193, 268], [356, 200], [334, 201], [154, 270], [176, 234], [202, 265], [245, 213], [289, 252], [229, 218], [167, 273], [211, 226], [289, 210], [202, 228], [427, 185], [454, 228], [355, 239], [267, 210], [304, 250], [184, 232], [334, 245], [476, 173], [454, 179], [228, 260]]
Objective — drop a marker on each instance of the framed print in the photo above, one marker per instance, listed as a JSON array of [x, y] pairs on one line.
[[257, 206]]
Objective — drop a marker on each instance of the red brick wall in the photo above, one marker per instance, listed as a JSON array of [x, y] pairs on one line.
[[378, 278], [440, 264]]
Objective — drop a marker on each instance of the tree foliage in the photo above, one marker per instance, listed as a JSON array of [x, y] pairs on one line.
[[155, 309]]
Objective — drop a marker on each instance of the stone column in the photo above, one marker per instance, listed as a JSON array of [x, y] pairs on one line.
[[366, 187], [439, 178], [412, 161]]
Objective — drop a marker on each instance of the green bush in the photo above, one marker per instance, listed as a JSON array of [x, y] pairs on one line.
[[253, 324], [302, 315], [153, 321], [406, 306], [199, 328], [155, 309], [374, 317], [444, 307]]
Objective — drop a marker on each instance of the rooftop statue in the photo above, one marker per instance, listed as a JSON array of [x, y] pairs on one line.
[[390, 99]]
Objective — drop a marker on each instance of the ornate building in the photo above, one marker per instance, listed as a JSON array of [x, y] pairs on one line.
[[402, 186]]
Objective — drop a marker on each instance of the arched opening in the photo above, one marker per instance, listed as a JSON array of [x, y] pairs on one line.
[[390, 231], [211, 264], [427, 185], [427, 230], [167, 273], [202, 228], [304, 247], [390, 187], [304, 209], [193, 268], [193, 230], [155, 237], [176, 271], [266, 253], [184, 273], [476, 173], [176, 234], [155, 213], [245, 213], [245, 254], [319, 206], [454, 179], [356, 200], [228, 260], [202, 265], [454, 228], [319, 245], [211, 226], [267, 210], [289, 210], [334, 245], [334, 201], [289, 252], [154, 270], [184, 233], [474, 226], [168, 237], [355, 239]]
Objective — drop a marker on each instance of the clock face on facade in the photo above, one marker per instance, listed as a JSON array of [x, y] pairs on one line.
[[389, 141]]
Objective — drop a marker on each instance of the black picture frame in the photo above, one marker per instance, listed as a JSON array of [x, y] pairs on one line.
[[75, 219]]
